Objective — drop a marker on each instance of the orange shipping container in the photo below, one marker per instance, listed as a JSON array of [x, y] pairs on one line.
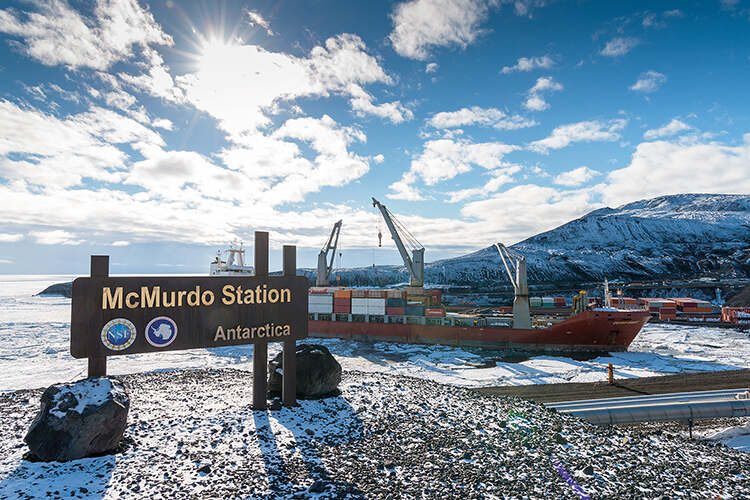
[[342, 294]]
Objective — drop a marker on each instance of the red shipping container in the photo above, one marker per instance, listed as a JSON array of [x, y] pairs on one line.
[[342, 309], [435, 312], [395, 311]]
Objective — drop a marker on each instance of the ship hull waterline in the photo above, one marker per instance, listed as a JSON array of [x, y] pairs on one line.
[[589, 331]]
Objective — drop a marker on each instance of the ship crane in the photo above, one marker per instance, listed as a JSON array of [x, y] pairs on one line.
[[415, 263], [515, 266], [324, 267]]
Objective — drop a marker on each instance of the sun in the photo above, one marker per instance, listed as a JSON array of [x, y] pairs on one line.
[[216, 56]]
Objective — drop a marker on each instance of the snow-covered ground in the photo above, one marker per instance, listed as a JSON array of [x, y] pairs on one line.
[[35, 351]]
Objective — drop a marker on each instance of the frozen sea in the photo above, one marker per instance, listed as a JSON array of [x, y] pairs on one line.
[[35, 351]]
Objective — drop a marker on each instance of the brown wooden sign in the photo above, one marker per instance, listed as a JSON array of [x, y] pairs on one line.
[[112, 315]]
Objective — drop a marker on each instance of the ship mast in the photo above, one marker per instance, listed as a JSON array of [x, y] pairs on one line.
[[521, 314], [415, 263], [324, 267]]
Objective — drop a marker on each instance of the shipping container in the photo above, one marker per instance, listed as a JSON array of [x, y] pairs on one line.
[[340, 294], [395, 311], [395, 294], [395, 302], [434, 312], [359, 293], [414, 310], [320, 308], [376, 294]]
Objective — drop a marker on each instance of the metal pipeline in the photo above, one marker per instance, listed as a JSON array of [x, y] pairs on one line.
[[681, 406], [640, 400]]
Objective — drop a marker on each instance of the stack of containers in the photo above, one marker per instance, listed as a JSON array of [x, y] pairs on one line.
[[535, 301], [736, 315], [548, 302], [435, 297], [376, 302], [415, 305], [359, 301], [320, 300], [342, 302], [435, 312], [559, 301], [668, 310], [395, 303]]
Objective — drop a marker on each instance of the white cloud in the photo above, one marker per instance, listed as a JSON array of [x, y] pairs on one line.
[[673, 13], [258, 20], [444, 159], [421, 25], [648, 82], [6, 261], [279, 171], [362, 104], [619, 46], [378, 158], [585, 131], [576, 177], [535, 100], [499, 177], [10, 237], [661, 168], [673, 127], [431, 67], [404, 189], [120, 243], [157, 81], [56, 237], [342, 66], [163, 123], [528, 64], [491, 117], [61, 152], [56, 34], [525, 210]]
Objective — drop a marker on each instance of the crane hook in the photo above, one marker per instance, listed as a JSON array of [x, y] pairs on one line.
[[380, 239]]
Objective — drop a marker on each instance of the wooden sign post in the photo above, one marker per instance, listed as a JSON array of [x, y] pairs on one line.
[[113, 316]]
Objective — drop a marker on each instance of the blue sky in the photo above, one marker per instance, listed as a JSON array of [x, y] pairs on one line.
[[157, 132]]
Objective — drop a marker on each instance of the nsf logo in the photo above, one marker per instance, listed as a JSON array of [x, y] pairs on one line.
[[118, 334], [161, 331]]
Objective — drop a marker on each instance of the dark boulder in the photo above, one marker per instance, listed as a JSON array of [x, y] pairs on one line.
[[80, 419], [63, 289], [318, 372]]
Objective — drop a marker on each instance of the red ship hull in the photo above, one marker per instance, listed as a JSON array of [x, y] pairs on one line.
[[589, 331]]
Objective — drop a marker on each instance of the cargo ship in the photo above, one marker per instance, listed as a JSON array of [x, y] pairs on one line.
[[395, 316], [416, 315]]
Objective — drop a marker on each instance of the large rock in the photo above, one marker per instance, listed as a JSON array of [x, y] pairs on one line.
[[79, 419], [318, 372]]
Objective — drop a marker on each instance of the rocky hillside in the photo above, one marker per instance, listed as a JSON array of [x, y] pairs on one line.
[[679, 236]]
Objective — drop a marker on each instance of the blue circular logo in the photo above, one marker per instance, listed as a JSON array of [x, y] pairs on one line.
[[118, 334], [161, 331]]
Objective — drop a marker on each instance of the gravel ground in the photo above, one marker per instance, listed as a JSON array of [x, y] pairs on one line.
[[192, 434]]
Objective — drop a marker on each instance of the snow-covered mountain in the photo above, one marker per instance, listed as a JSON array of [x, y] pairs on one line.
[[678, 236]]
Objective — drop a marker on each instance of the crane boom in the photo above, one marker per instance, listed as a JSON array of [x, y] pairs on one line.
[[415, 263], [517, 262], [324, 267]]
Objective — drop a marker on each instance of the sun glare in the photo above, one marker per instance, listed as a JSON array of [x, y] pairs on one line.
[[216, 56]]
